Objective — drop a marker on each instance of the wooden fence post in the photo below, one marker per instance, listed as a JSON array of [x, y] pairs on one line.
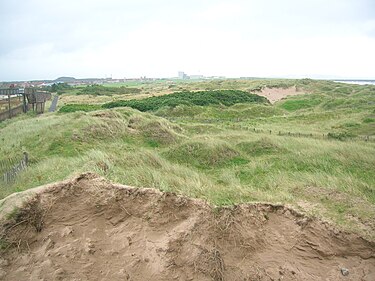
[[24, 103], [26, 158], [9, 107]]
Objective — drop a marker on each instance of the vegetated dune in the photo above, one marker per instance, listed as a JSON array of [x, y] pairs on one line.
[[90, 229], [276, 93]]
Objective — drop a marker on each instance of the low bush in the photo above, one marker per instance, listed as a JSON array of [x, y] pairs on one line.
[[340, 135], [79, 107], [99, 90]]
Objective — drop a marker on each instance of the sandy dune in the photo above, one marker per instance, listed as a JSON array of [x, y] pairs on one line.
[[89, 229], [276, 94]]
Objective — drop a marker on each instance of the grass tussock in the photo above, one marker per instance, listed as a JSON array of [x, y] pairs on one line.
[[204, 153], [260, 147]]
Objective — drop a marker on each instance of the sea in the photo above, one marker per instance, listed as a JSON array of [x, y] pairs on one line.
[[358, 82]]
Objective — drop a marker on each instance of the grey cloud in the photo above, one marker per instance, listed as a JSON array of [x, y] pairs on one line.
[[73, 26]]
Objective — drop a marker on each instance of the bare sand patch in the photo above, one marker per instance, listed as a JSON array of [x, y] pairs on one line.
[[276, 94], [90, 229]]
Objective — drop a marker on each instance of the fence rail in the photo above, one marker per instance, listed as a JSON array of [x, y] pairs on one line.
[[10, 175], [31, 98], [13, 112]]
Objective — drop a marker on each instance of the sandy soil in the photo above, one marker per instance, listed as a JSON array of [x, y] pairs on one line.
[[90, 229], [276, 94]]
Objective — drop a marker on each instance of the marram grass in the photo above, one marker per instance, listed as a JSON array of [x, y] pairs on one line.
[[180, 151]]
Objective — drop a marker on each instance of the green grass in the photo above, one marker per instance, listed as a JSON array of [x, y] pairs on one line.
[[204, 154], [99, 90], [206, 151], [79, 107], [260, 147], [292, 105], [369, 120]]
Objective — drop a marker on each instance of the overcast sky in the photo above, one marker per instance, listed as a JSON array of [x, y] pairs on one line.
[[45, 39]]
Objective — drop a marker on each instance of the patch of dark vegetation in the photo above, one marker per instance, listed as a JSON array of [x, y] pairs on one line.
[[201, 98], [369, 120], [99, 90], [343, 135], [260, 147], [59, 88], [79, 107], [297, 104], [205, 154], [157, 133]]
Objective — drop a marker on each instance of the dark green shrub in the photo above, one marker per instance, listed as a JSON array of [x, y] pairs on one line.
[[369, 120], [340, 135], [79, 107], [201, 98], [99, 90]]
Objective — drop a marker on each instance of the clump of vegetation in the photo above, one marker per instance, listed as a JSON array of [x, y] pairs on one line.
[[343, 135], [59, 88], [369, 120], [296, 104], [99, 90], [79, 107], [204, 154], [156, 131], [201, 98], [262, 146]]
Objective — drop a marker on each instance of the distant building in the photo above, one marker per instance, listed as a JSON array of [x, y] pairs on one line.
[[196, 77], [182, 75]]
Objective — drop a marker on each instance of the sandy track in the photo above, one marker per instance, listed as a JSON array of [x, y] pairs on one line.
[[276, 94], [90, 229]]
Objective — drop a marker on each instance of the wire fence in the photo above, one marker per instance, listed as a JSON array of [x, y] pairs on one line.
[[327, 136], [234, 123]]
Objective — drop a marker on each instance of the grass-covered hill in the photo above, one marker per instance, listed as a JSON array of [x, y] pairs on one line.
[[211, 150]]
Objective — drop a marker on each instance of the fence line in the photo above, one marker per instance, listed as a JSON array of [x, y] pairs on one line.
[[328, 136], [35, 100], [10, 175], [10, 113]]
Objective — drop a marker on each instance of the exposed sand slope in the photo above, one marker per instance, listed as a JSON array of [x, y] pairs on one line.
[[276, 94], [90, 229]]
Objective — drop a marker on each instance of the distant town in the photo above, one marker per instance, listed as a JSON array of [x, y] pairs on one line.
[[98, 81], [71, 81]]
